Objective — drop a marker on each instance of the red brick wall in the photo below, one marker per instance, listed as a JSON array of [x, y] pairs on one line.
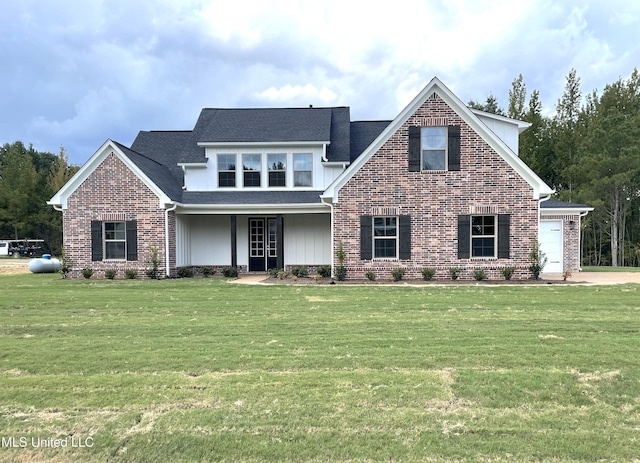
[[113, 192], [486, 184]]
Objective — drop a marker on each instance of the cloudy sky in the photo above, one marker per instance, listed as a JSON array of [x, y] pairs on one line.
[[76, 72]]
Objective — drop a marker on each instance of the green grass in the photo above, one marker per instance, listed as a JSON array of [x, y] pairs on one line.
[[610, 269], [207, 370]]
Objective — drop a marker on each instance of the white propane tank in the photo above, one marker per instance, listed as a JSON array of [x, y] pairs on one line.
[[45, 264]]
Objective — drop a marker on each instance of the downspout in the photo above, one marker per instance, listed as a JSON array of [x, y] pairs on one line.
[[166, 238]]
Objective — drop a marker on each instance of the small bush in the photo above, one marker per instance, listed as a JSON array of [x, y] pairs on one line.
[[371, 276], [273, 272], [479, 274], [131, 274], [110, 273], [398, 273], [282, 275], [508, 272], [207, 271], [454, 273], [538, 260], [300, 271], [185, 272], [324, 271], [87, 273], [428, 273], [230, 272], [341, 273], [154, 271]]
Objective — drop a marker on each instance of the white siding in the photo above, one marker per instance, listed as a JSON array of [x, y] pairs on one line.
[[506, 131], [307, 239], [204, 240]]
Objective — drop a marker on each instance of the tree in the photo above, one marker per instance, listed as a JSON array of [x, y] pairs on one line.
[[517, 98], [490, 106], [610, 167]]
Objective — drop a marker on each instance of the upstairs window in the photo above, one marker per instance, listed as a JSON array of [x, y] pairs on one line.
[[251, 169], [226, 170], [302, 169], [277, 166], [433, 148]]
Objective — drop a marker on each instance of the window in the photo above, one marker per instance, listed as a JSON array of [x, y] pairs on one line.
[[251, 167], [385, 237], [277, 166], [226, 170], [483, 236], [114, 240], [302, 168], [433, 148]]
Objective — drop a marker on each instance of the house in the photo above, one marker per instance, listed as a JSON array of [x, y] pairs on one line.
[[439, 186]]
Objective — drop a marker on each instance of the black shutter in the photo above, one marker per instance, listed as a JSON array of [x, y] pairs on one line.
[[464, 236], [504, 222], [366, 237], [414, 149], [132, 240], [96, 240], [404, 236], [454, 147]]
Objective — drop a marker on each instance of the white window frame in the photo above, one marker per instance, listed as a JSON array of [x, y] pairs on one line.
[[493, 236], [220, 171], [385, 227], [115, 239], [295, 171], [245, 171], [427, 138], [270, 170]]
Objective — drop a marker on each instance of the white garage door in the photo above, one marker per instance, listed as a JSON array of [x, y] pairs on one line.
[[551, 245]]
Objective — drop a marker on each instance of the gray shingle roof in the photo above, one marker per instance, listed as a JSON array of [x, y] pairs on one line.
[[362, 135], [553, 204]]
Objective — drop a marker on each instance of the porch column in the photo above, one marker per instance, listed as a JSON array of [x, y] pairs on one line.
[[280, 241], [234, 241]]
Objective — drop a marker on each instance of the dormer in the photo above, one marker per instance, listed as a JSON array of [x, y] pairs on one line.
[[507, 129], [268, 149]]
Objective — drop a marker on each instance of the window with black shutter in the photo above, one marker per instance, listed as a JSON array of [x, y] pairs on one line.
[[385, 237], [484, 236], [114, 240], [434, 148]]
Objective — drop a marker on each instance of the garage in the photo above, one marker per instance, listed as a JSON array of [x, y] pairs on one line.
[[551, 245]]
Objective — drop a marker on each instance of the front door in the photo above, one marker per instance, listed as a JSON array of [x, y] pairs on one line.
[[263, 244]]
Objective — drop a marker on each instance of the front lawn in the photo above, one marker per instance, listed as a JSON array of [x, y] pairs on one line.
[[209, 370]]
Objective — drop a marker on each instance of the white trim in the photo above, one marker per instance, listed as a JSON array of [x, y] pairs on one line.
[[107, 148], [540, 188], [565, 211], [252, 144]]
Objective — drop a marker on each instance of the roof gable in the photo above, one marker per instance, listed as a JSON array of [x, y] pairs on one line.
[[435, 86]]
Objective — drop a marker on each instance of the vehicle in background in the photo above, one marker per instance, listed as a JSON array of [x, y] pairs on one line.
[[21, 248]]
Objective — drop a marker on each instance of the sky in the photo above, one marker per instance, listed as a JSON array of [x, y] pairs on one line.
[[74, 73]]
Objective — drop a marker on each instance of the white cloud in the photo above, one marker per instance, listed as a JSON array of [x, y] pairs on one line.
[[288, 94]]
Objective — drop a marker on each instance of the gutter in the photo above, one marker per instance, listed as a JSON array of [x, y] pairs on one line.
[[330, 204]]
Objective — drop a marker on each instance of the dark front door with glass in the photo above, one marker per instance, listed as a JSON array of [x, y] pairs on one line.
[[263, 244]]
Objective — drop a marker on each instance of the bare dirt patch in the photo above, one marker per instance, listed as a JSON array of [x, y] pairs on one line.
[[9, 266]]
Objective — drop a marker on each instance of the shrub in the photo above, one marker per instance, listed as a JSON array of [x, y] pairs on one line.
[[428, 273], [65, 266], [87, 273], [508, 272], [185, 272], [454, 272], [538, 260], [273, 272], [230, 272], [371, 276], [206, 271], [324, 271], [300, 271], [110, 273], [154, 271], [341, 270], [479, 274], [282, 275], [131, 274], [398, 273]]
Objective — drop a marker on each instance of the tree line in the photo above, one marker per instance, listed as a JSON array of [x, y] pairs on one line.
[[588, 150], [28, 179]]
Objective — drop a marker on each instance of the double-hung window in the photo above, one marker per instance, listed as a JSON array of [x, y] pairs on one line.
[[385, 237], [433, 148], [483, 236], [226, 170], [277, 166], [302, 169], [251, 168], [115, 240]]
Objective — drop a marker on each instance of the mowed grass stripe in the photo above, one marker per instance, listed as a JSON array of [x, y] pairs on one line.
[[206, 370]]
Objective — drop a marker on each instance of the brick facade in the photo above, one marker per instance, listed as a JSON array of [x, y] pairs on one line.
[[112, 192], [485, 184]]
